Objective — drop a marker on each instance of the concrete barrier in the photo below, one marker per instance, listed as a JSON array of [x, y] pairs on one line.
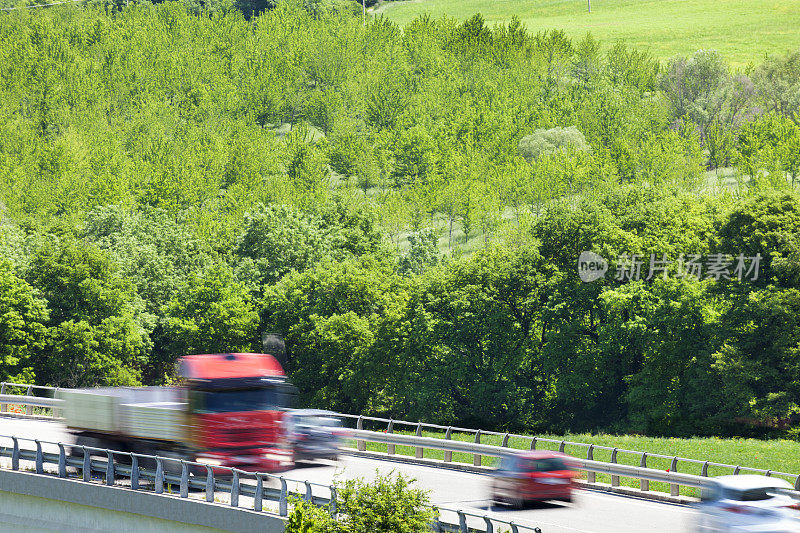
[[32, 502]]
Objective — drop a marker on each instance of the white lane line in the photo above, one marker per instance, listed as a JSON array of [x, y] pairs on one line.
[[635, 500]]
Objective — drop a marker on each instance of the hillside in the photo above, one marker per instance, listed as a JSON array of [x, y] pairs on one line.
[[742, 31]]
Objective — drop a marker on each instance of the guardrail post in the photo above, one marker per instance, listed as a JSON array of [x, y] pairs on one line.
[[55, 412], [4, 406], [462, 521], [209, 484], [390, 430], [39, 458], [533, 444], [769, 473], [62, 461], [489, 526], [184, 479], [562, 446], [29, 408], [704, 470], [736, 470], [308, 496], [797, 483], [87, 465], [258, 497], [159, 475], [110, 468], [15, 454], [333, 501], [674, 488], [476, 459], [360, 444], [448, 456], [134, 472], [282, 510], [644, 484], [235, 489], [505, 441], [419, 452], [614, 479], [591, 477], [514, 528]]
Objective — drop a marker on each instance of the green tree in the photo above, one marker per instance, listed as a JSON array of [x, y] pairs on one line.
[[766, 225], [543, 141], [671, 327], [98, 327], [213, 314], [758, 358], [278, 239], [470, 340], [423, 251], [329, 316], [23, 315]]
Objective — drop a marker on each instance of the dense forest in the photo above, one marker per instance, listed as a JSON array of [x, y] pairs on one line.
[[406, 207]]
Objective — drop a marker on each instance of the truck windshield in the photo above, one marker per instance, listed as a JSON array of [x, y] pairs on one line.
[[238, 400]]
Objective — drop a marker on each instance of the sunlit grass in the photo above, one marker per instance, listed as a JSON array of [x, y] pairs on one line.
[[742, 31]]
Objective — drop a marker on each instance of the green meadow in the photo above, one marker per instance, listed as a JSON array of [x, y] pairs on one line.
[[743, 31]]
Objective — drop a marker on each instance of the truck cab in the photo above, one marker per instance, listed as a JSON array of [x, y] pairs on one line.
[[235, 409]]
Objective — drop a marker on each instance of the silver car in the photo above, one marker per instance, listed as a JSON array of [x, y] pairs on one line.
[[313, 434], [748, 503]]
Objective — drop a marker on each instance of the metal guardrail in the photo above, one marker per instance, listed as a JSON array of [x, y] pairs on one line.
[[111, 466], [641, 458], [30, 400], [640, 472], [475, 448]]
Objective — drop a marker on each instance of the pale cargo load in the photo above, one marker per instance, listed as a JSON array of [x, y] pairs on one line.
[[157, 413]]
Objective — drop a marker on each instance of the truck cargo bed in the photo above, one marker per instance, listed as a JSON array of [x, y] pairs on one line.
[[156, 413]]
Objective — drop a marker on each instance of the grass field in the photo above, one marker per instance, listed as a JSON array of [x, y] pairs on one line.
[[743, 31], [778, 455]]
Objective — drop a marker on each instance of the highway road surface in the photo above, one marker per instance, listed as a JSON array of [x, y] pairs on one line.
[[591, 511]]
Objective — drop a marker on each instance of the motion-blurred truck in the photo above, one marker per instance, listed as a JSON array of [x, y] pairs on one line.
[[228, 411]]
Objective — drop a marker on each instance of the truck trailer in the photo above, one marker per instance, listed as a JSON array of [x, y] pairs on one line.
[[227, 411]]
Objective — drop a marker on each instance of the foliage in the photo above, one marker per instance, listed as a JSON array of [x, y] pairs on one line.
[[277, 239], [329, 316], [308, 518], [99, 332], [388, 504], [177, 178], [423, 251], [542, 142], [212, 314], [23, 315]]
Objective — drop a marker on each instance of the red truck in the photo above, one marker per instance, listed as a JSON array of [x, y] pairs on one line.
[[228, 411]]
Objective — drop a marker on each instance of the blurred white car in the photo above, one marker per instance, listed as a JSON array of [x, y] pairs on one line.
[[748, 503], [313, 434]]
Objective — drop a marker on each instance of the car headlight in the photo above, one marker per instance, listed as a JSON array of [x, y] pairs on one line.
[[211, 461]]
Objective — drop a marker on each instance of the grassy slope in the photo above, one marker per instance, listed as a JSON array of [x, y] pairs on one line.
[[743, 31]]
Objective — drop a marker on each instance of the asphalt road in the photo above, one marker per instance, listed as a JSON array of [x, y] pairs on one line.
[[590, 511]]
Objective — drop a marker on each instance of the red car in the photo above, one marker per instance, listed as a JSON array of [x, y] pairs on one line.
[[533, 476]]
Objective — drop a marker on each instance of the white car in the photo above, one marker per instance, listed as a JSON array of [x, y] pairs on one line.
[[748, 503]]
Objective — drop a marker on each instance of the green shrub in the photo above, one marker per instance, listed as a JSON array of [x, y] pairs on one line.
[[387, 504]]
